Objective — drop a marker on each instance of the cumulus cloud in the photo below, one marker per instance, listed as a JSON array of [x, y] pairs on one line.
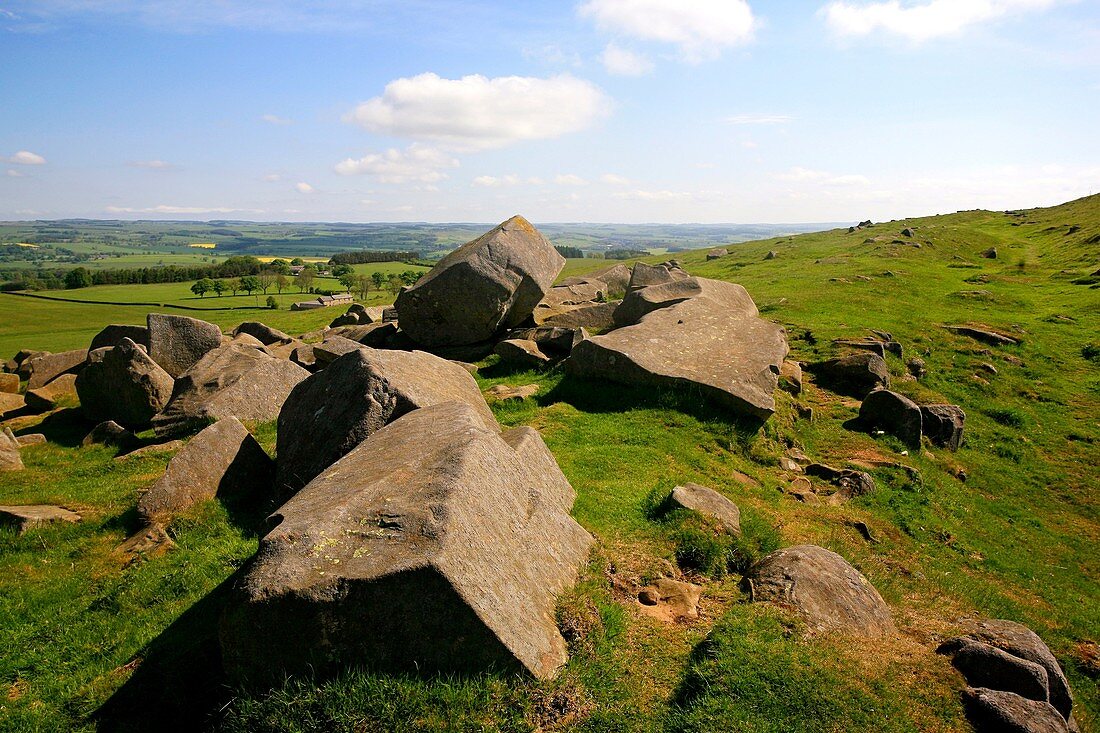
[[165, 209], [701, 29], [479, 113], [26, 157], [416, 163], [923, 20], [277, 120], [759, 119], [622, 62], [569, 179], [304, 187]]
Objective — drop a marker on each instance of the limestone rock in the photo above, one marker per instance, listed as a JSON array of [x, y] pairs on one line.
[[10, 460], [709, 503], [177, 343], [855, 375], [484, 287], [894, 413], [9, 383], [333, 411], [828, 592], [26, 518], [112, 336], [521, 352], [265, 334], [432, 547], [994, 711], [222, 460], [48, 367], [49, 396], [943, 424], [125, 385]]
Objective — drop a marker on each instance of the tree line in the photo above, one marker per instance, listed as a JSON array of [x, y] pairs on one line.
[[363, 257]]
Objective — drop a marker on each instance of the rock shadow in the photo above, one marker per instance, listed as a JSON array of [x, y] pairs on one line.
[[65, 427]]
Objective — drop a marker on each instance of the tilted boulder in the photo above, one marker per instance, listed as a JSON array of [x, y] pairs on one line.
[[829, 593], [434, 546], [11, 404], [112, 336], [48, 367], [125, 385], [640, 303], [234, 380], [49, 396], [995, 711], [644, 276], [178, 342], [484, 287], [893, 413], [943, 424], [265, 334], [329, 414], [856, 374], [709, 503], [521, 352], [223, 460]]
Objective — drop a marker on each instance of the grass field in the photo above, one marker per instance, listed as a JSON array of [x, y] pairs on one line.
[[90, 644]]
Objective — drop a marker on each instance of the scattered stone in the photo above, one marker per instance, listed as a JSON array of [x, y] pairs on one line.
[[985, 335], [266, 335], [716, 254], [11, 405], [908, 232], [26, 518], [828, 592], [113, 335], [10, 460], [432, 547], [987, 367], [110, 433], [790, 377], [916, 367], [771, 255], [789, 464], [222, 460], [9, 383], [521, 352], [616, 277], [48, 367], [48, 397], [672, 600], [864, 531], [125, 385], [943, 424], [850, 483], [30, 439], [709, 503], [151, 540], [177, 343], [993, 711], [504, 393], [855, 375], [170, 446], [990, 254], [330, 413], [876, 347], [482, 288], [894, 413]]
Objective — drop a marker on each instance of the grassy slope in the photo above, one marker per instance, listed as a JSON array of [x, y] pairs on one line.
[[1018, 539]]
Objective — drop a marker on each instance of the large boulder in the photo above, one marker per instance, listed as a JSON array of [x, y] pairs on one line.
[[639, 303], [329, 414], [9, 383], [827, 592], [435, 546], [521, 352], [45, 368], [235, 380], [10, 460], [178, 342], [893, 413], [266, 335], [11, 404], [124, 384], [715, 342], [112, 336], [644, 276], [995, 711], [51, 395], [484, 287], [943, 424], [223, 460], [595, 317], [856, 374]]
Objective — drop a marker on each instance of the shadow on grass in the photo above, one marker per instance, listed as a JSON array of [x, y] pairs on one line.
[[64, 427]]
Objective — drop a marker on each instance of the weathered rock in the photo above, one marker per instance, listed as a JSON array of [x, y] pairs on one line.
[[985, 335], [908, 232], [671, 600], [617, 279], [235, 380], [550, 339], [943, 424], [644, 276], [9, 383], [151, 540], [125, 385], [223, 460], [333, 348], [598, 317], [432, 547], [49, 396], [484, 287], [578, 293], [993, 711], [709, 503], [375, 335], [716, 254], [263, 333], [110, 433], [521, 352], [112, 336], [11, 404], [829, 593], [990, 254], [730, 354], [851, 483], [771, 255], [30, 439], [48, 367], [26, 518], [893, 413], [177, 343], [874, 346], [304, 357], [790, 377], [856, 374], [23, 362], [504, 393], [345, 319], [332, 412], [10, 460], [917, 367], [640, 303], [984, 665], [156, 449]]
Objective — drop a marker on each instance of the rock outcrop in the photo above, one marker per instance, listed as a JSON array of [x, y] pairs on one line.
[[893, 413], [177, 343], [856, 375], [45, 368], [943, 424], [125, 385]]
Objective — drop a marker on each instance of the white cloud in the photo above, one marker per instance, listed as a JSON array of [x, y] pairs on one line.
[[614, 179], [569, 179], [807, 175], [304, 187], [923, 20], [622, 62], [26, 157], [159, 165], [759, 119], [497, 181], [276, 120], [478, 113], [12, 173], [165, 209], [655, 196], [700, 28], [802, 174], [273, 177], [849, 180], [416, 163]]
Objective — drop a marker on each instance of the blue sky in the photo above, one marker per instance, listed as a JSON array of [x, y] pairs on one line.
[[598, 110]]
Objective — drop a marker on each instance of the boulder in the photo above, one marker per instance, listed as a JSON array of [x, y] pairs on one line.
[[550, 339], [112, 336], [23, 362], [943, 424], [640, 303], [432, 547], [985, 335], [376, 335], [598, 317], [484, 287], [716, 254], [616, 278], [580, 292], [26, 518], [916, 367], [990, 254], [9, 383], [709, 503], [893, 413], [11, 404], [110, 433], [771, 255], [643, 275], [670, 600], [521, 352], [10, 460], [855, 375], [790, 377], [984, 665], [908, 232], [235, 380], [329, 414], [48, 367], [48, 397], [125, 385], [829, 593], [30, 439], [994, 711], [720, 347], [264, 334], [333, 348], [304, 357], [224, 460], [177, 343]]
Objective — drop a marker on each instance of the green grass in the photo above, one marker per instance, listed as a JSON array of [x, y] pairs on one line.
[[89, 643]]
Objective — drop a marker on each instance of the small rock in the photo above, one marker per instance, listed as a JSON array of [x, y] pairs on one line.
[[151, 540], [709, 503], [989, 368], [9, 383], [30, 439], [943, 424], [855, 375], [908, 232], [110, 433], [649, 597], [990, 254], [917, 367], [26, 518], [850, 482], [10, 460], [771, 255], [521, 352], [716, 254], [503, 392], [790, 377], [48, 397], [675, 600], [804, 412]]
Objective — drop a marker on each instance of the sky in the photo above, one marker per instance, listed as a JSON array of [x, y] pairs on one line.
[[624, 111]]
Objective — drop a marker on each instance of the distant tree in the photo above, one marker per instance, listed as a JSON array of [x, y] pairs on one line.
[[282, 282], [281, 267], [297, 262], [570, 252], [218, 287], [78, 278], [304, 279], [363, 285], [341, 270], [266, 279], [409, 277], [395, 284], [272, 303], [234, 284], [250, 283], [348, 280], [379, 279], [202, 287]]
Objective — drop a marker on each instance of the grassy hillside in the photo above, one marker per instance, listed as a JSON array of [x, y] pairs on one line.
[[89, 643]]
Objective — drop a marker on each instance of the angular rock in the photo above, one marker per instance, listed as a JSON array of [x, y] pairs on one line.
[[709, 503], [916, 367], [30, 439], [125, 385], [11, 404], [328, 415], [263, 333], [432, 547], [9, 383], [110, 433], [671, 600], [48, 367], [112, 336], [49, 396], [224, 460], [10, 460], [894, 413], [177, 343], [26, 518], [579, 293], [333, 348], [151, 540], [598, 317], [375, 335], [504, 393], [855, 375], [551, 339], [716, 254], [23, 362], [943, 424], [984, 665], [521, 352], [875, 347], [304, 357], [644, 301], [643, 275], [993, 711], [235, 380], [484, 287], [829, 593], [790, 377]]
